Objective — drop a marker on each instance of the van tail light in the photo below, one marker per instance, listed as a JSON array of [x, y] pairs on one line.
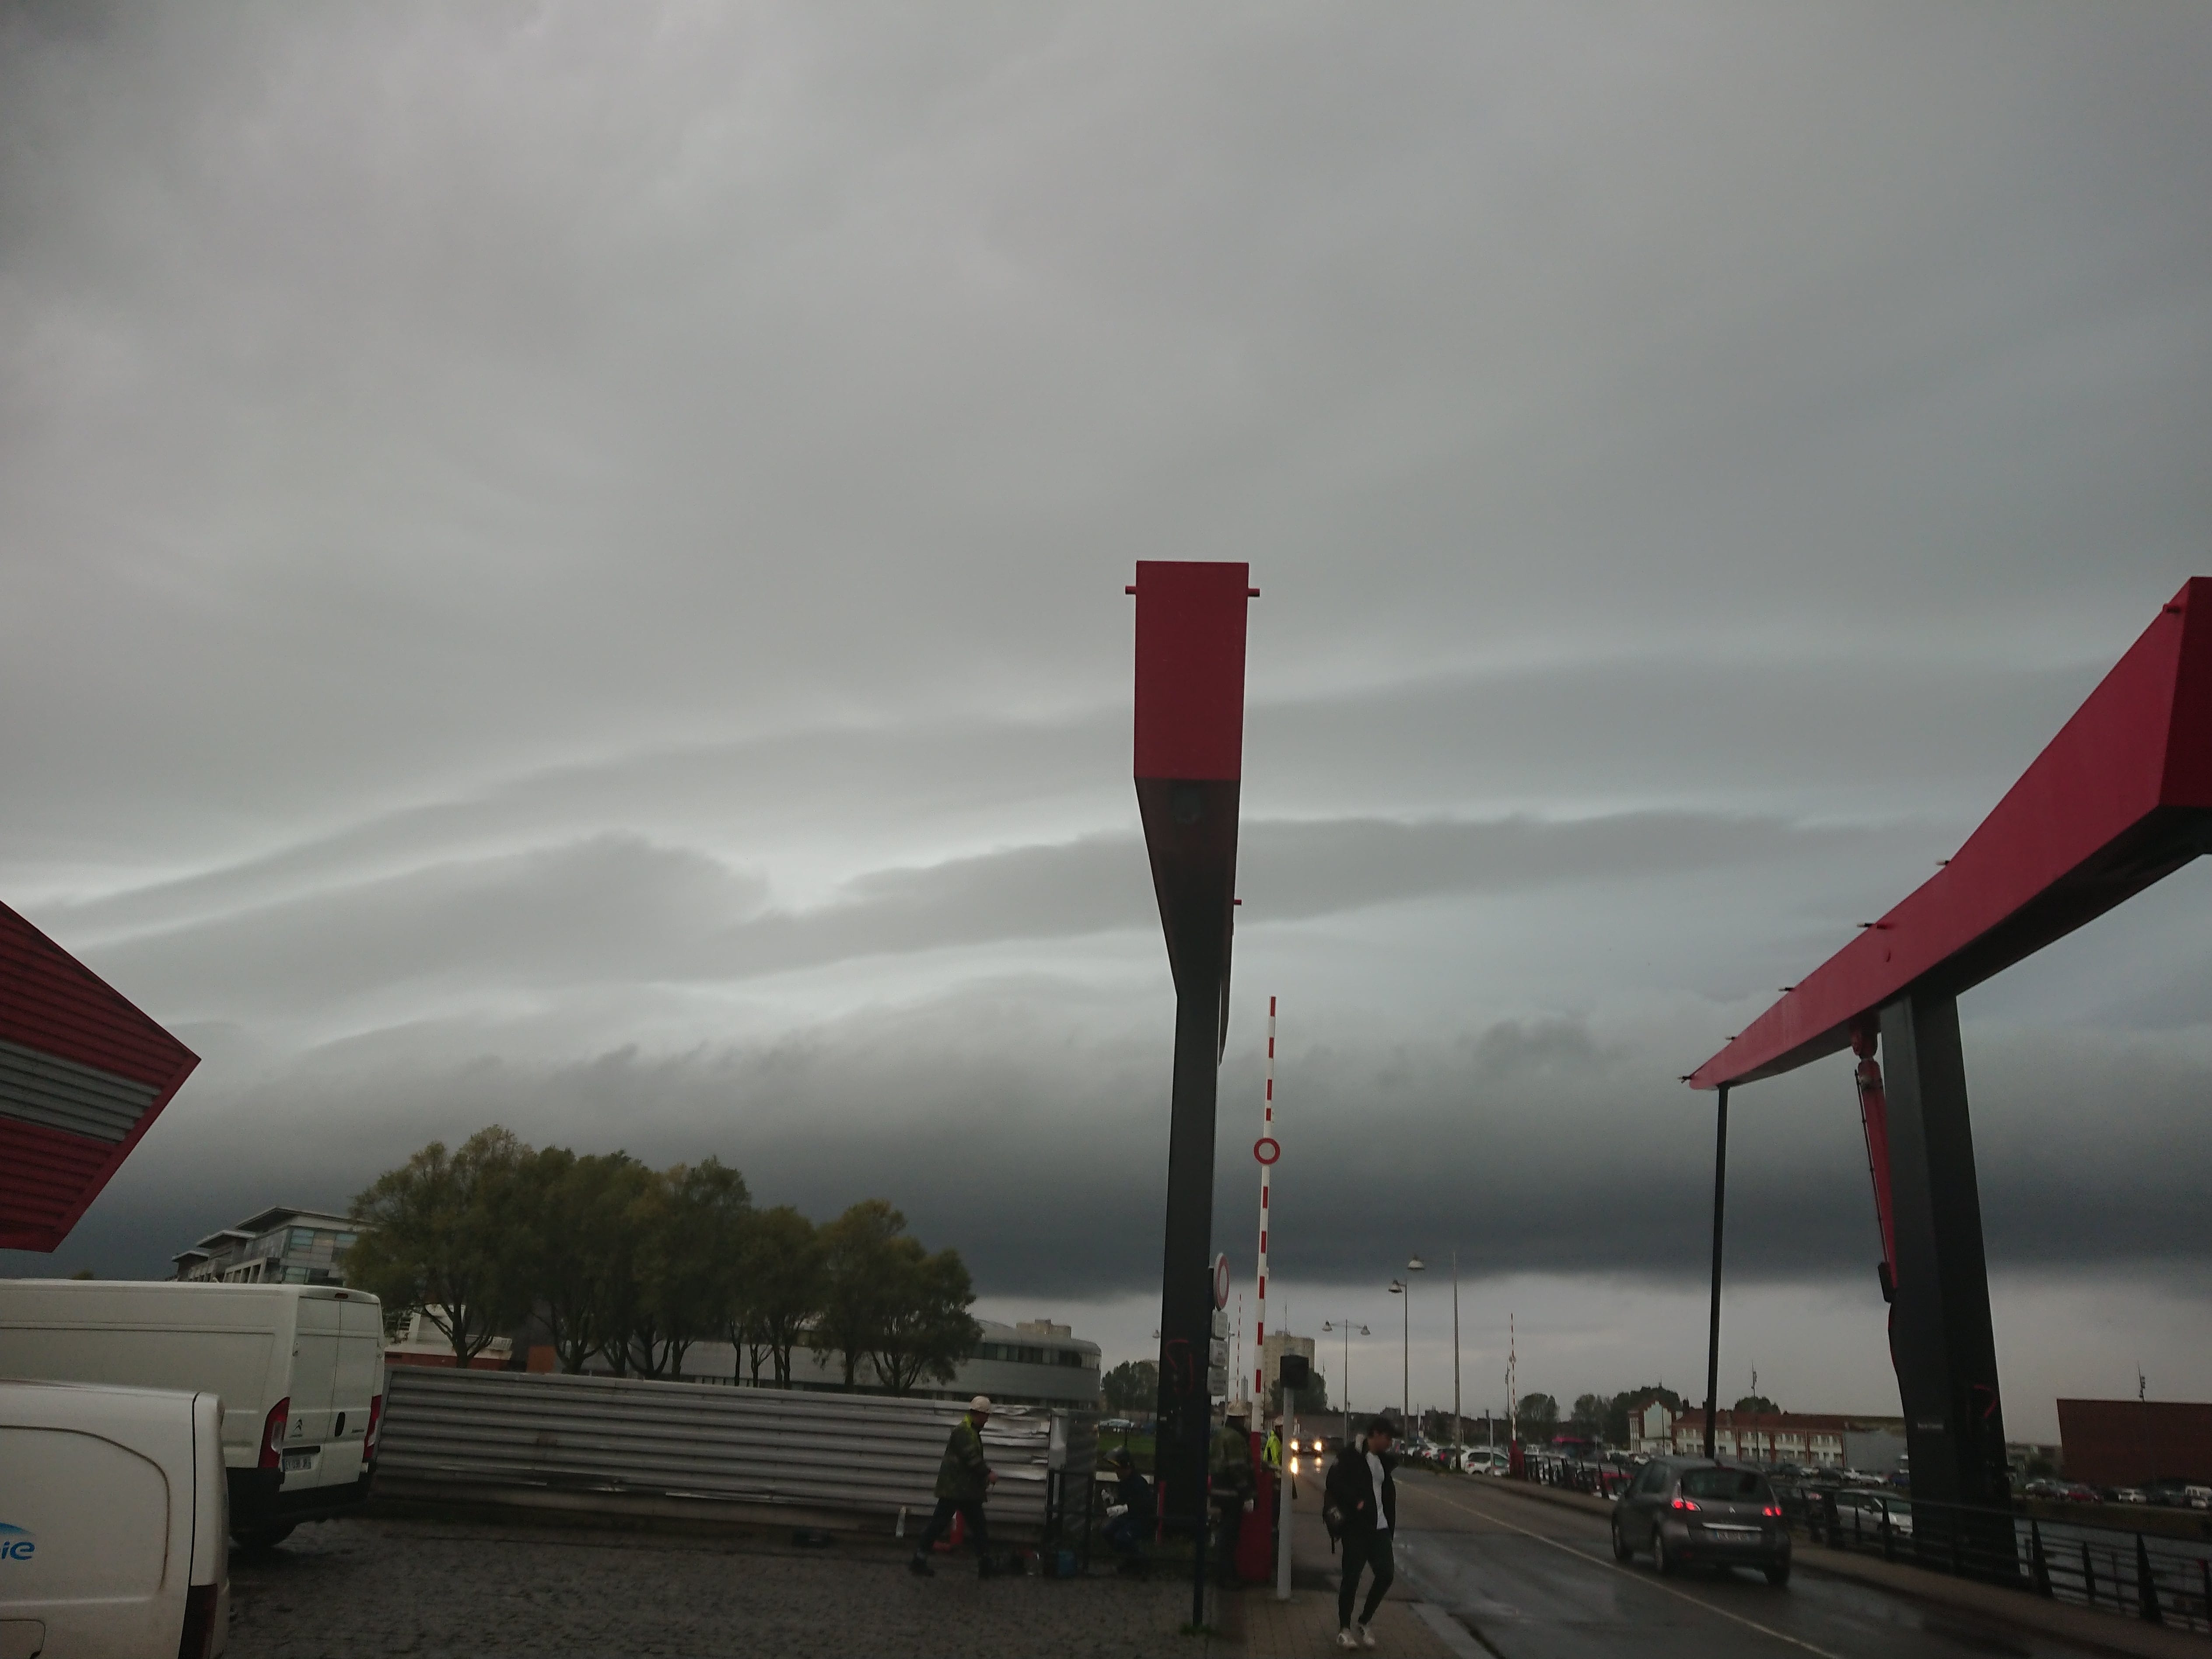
[[272, 1434], [375, 1421], [1686, 1503], [198, 1639]]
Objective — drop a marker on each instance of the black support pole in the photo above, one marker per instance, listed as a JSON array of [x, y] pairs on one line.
[[1940, 1337], [1720, 1211]]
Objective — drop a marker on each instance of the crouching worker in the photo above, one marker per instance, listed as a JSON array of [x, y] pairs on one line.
[[1364, 1497], [963, 1478], [1129, 1517]]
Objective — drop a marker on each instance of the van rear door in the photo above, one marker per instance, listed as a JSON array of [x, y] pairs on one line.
[[314, 1390], [96, 1517]]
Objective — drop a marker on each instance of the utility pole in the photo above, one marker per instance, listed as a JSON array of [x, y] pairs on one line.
[[1346, 1328], [1459, 1434]]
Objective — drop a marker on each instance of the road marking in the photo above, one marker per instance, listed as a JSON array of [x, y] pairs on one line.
[[1634, 1578]]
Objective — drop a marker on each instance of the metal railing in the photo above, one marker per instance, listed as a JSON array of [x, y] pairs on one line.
[[2158, 1579], [626, 1445]]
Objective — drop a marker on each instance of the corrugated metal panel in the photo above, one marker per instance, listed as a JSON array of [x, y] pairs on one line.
[[60, 1094], [42, 1172], [450, 1431], [53, 1007]]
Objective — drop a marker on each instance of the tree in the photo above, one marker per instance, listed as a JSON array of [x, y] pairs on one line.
[[692, 1224], [926, 1330], [1755, 1402], [861, 1258], [1539, 1417], [1590, 1415], [1132, 1386], [436, 1237], [569, 1213], [782, 1279]]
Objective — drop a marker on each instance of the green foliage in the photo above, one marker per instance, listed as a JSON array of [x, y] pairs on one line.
[[1132, 1386], [632, 1266], [1755, 1402], [436, 1237], [1588, 1416], [783, 1279], [888, 1303], [1539, 1416]]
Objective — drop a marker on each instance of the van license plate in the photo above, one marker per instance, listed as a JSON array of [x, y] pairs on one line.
[[298, 1460]]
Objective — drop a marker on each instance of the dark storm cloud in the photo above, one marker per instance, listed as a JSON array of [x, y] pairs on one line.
[[1536, 1146]]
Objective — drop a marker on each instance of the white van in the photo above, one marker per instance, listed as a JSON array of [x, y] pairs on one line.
[[299, 1368], [112, 1523]]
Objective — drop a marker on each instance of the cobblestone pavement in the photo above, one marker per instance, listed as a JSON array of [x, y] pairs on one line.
[[351, 1590]]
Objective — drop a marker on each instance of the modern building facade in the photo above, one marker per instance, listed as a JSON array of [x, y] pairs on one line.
[[279, 1246]]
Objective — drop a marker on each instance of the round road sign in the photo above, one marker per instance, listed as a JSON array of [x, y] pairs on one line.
[[1221, 1281], [1266, 1149]]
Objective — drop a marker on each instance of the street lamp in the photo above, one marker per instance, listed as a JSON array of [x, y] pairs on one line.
[[1401, 1287], [1346, 1328]]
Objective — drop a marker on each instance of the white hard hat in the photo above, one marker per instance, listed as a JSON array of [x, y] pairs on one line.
[[982, 1402]]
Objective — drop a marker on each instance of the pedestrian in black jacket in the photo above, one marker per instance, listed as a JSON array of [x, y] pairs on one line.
[[1364, 1495]]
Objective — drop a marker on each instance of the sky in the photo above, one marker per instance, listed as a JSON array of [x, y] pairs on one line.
[[562, 565]]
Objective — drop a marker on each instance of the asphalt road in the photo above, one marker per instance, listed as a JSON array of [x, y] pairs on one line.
[[1533, 1580]]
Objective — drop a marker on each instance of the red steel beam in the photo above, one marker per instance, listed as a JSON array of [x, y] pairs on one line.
[[2117, 800], [83, 1074]]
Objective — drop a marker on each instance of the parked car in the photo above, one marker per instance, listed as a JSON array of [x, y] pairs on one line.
[[2130, 1495], [1687, 1511], [112, 1523], [2075, 1493], [1859, 1516], [299, 1370]]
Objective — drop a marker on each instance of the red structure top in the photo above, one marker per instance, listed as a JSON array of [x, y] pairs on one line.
[[82, 1075], [2119, 799], [1190, 669]]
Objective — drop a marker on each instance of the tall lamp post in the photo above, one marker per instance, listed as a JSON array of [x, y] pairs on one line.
[[1347, 1330], [1459, 1435], [1403, 1287]]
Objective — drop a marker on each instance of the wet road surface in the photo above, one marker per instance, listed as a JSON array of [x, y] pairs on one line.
[[1530, 1580]]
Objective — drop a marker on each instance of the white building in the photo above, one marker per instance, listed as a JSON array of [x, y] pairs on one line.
[[1808, 1438], [279, 1246]]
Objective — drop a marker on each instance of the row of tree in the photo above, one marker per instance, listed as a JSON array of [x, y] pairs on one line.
[[632, 1266]]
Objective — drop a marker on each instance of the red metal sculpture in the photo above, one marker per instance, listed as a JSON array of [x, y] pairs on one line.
[[82, 1076], [1189, 762], [2120, 799]]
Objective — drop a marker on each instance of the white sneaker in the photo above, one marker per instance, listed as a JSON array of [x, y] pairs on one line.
[[1366, 1637], [1345, 1639]]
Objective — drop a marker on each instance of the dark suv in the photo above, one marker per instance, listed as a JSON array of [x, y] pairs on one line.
[[1688, 1511]]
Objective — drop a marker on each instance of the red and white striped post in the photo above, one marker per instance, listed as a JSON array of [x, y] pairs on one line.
[[1266, 1150]]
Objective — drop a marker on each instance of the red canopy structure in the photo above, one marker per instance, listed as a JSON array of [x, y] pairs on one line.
[[83, 1074], [1189, 766], [2120, 799]]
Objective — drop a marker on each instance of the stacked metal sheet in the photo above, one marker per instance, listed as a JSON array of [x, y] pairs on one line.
[[623, 1445]]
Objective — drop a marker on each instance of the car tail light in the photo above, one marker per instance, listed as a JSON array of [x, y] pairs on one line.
[[375, 1420], [1686, 1503], [1772, 1511], [198, 1639], [272, 1434]]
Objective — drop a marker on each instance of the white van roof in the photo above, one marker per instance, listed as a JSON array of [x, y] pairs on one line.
[[194, 1287]]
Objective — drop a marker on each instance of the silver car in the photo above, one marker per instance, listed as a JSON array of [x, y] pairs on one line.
[[1690, 1513]]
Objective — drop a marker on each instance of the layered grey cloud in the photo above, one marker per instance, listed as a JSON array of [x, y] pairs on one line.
[[565, 564], [613, 910]]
